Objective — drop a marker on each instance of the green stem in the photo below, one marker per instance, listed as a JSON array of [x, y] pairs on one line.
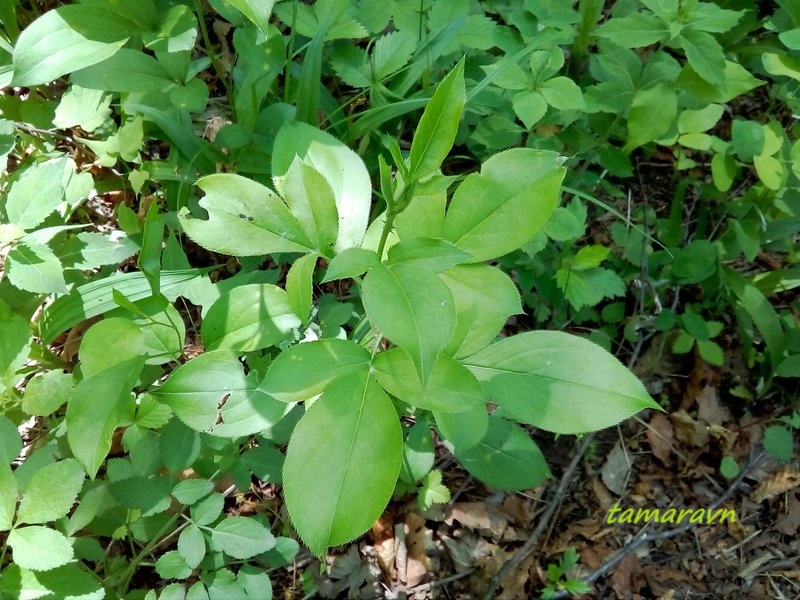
[[125, 580], [387, 227]]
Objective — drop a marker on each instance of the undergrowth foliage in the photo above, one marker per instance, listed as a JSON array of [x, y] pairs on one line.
[[363, 314]]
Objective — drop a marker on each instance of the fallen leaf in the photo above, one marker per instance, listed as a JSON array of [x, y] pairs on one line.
[[622, 576], [688, 430], [478, 516], [782, 481], [709, 408], [419, 540], [616, 469], [789, 522], [661, 437]]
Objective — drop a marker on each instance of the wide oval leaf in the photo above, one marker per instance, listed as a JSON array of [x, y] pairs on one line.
[[51, 491], [450, 387], [484, 299], [342, 463], [245, 218], [64, 40], [249, 317], [559, 382], [39, 548], [413, 308], [305, 370], [506, 458], [211, 394], [342, 168], [499, 209]]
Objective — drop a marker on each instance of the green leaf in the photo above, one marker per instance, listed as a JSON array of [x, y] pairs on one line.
[[96, 297], [695, 121], [241, 537], [161, 327], [342, 168], [705, 55], [336, 486], [89, 250], [728, 467], [431, 254], [413, 308], [562, 93], [36, 194], [707, 16], [249, 317], [696, 262], [179, 445], [464, 429], [35, 268], [257, 11], [312, 202], [83, 107], [506, 458], [711, 352], [211, 394], [192, 545], [15, 344], [738, 81], [110, 342], [151, 495], [653, 111], [171, 565], [588, 288], [245, 218], [778, 441], [418, 453], [529, 107], [124, 144], [352, 262], [64, 40], [190, 491], [391, 53], [438, 126], [126, 71], [634, 31], [208, 510], [484, 298], [91, 424], [305, 370], [450, 387], [589, 257], [10, 441], [432, 490], [68, 582], [39, 548], [8, 496], [51, 491], [559, 382], [499, 209], [299, 283]]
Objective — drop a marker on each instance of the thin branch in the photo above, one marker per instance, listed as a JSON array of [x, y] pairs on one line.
[[552, 506]]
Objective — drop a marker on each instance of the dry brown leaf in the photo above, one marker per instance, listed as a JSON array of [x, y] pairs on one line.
[[709, 408], [616, 469], [782, 481], [688, 430], [661, 437], [789, 522], [419, 540], [622, 577], [603, 495], [478, 516]]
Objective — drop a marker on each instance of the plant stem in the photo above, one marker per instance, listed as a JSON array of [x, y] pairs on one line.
[[387, 227]]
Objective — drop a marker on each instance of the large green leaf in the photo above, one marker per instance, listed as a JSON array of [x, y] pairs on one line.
[[241, 537], [429, 253], [342, 462], [450, 387], [39, 548], [499, 209], [299, 286], [37, 193], [245, 218], [506, 458], [653, 112], [342, 168], [249, 317], [51, 491], [126, 71], [559, 382], [35, 268], [96, 409], [438, 126], [211, 394], [484, 298], [464, 429], [305, 370], [705, 55], [110, 342], [66, 39], [413, 308], [311, 200]]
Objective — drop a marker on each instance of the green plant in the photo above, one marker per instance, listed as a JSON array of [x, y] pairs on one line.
[[558, 576]]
